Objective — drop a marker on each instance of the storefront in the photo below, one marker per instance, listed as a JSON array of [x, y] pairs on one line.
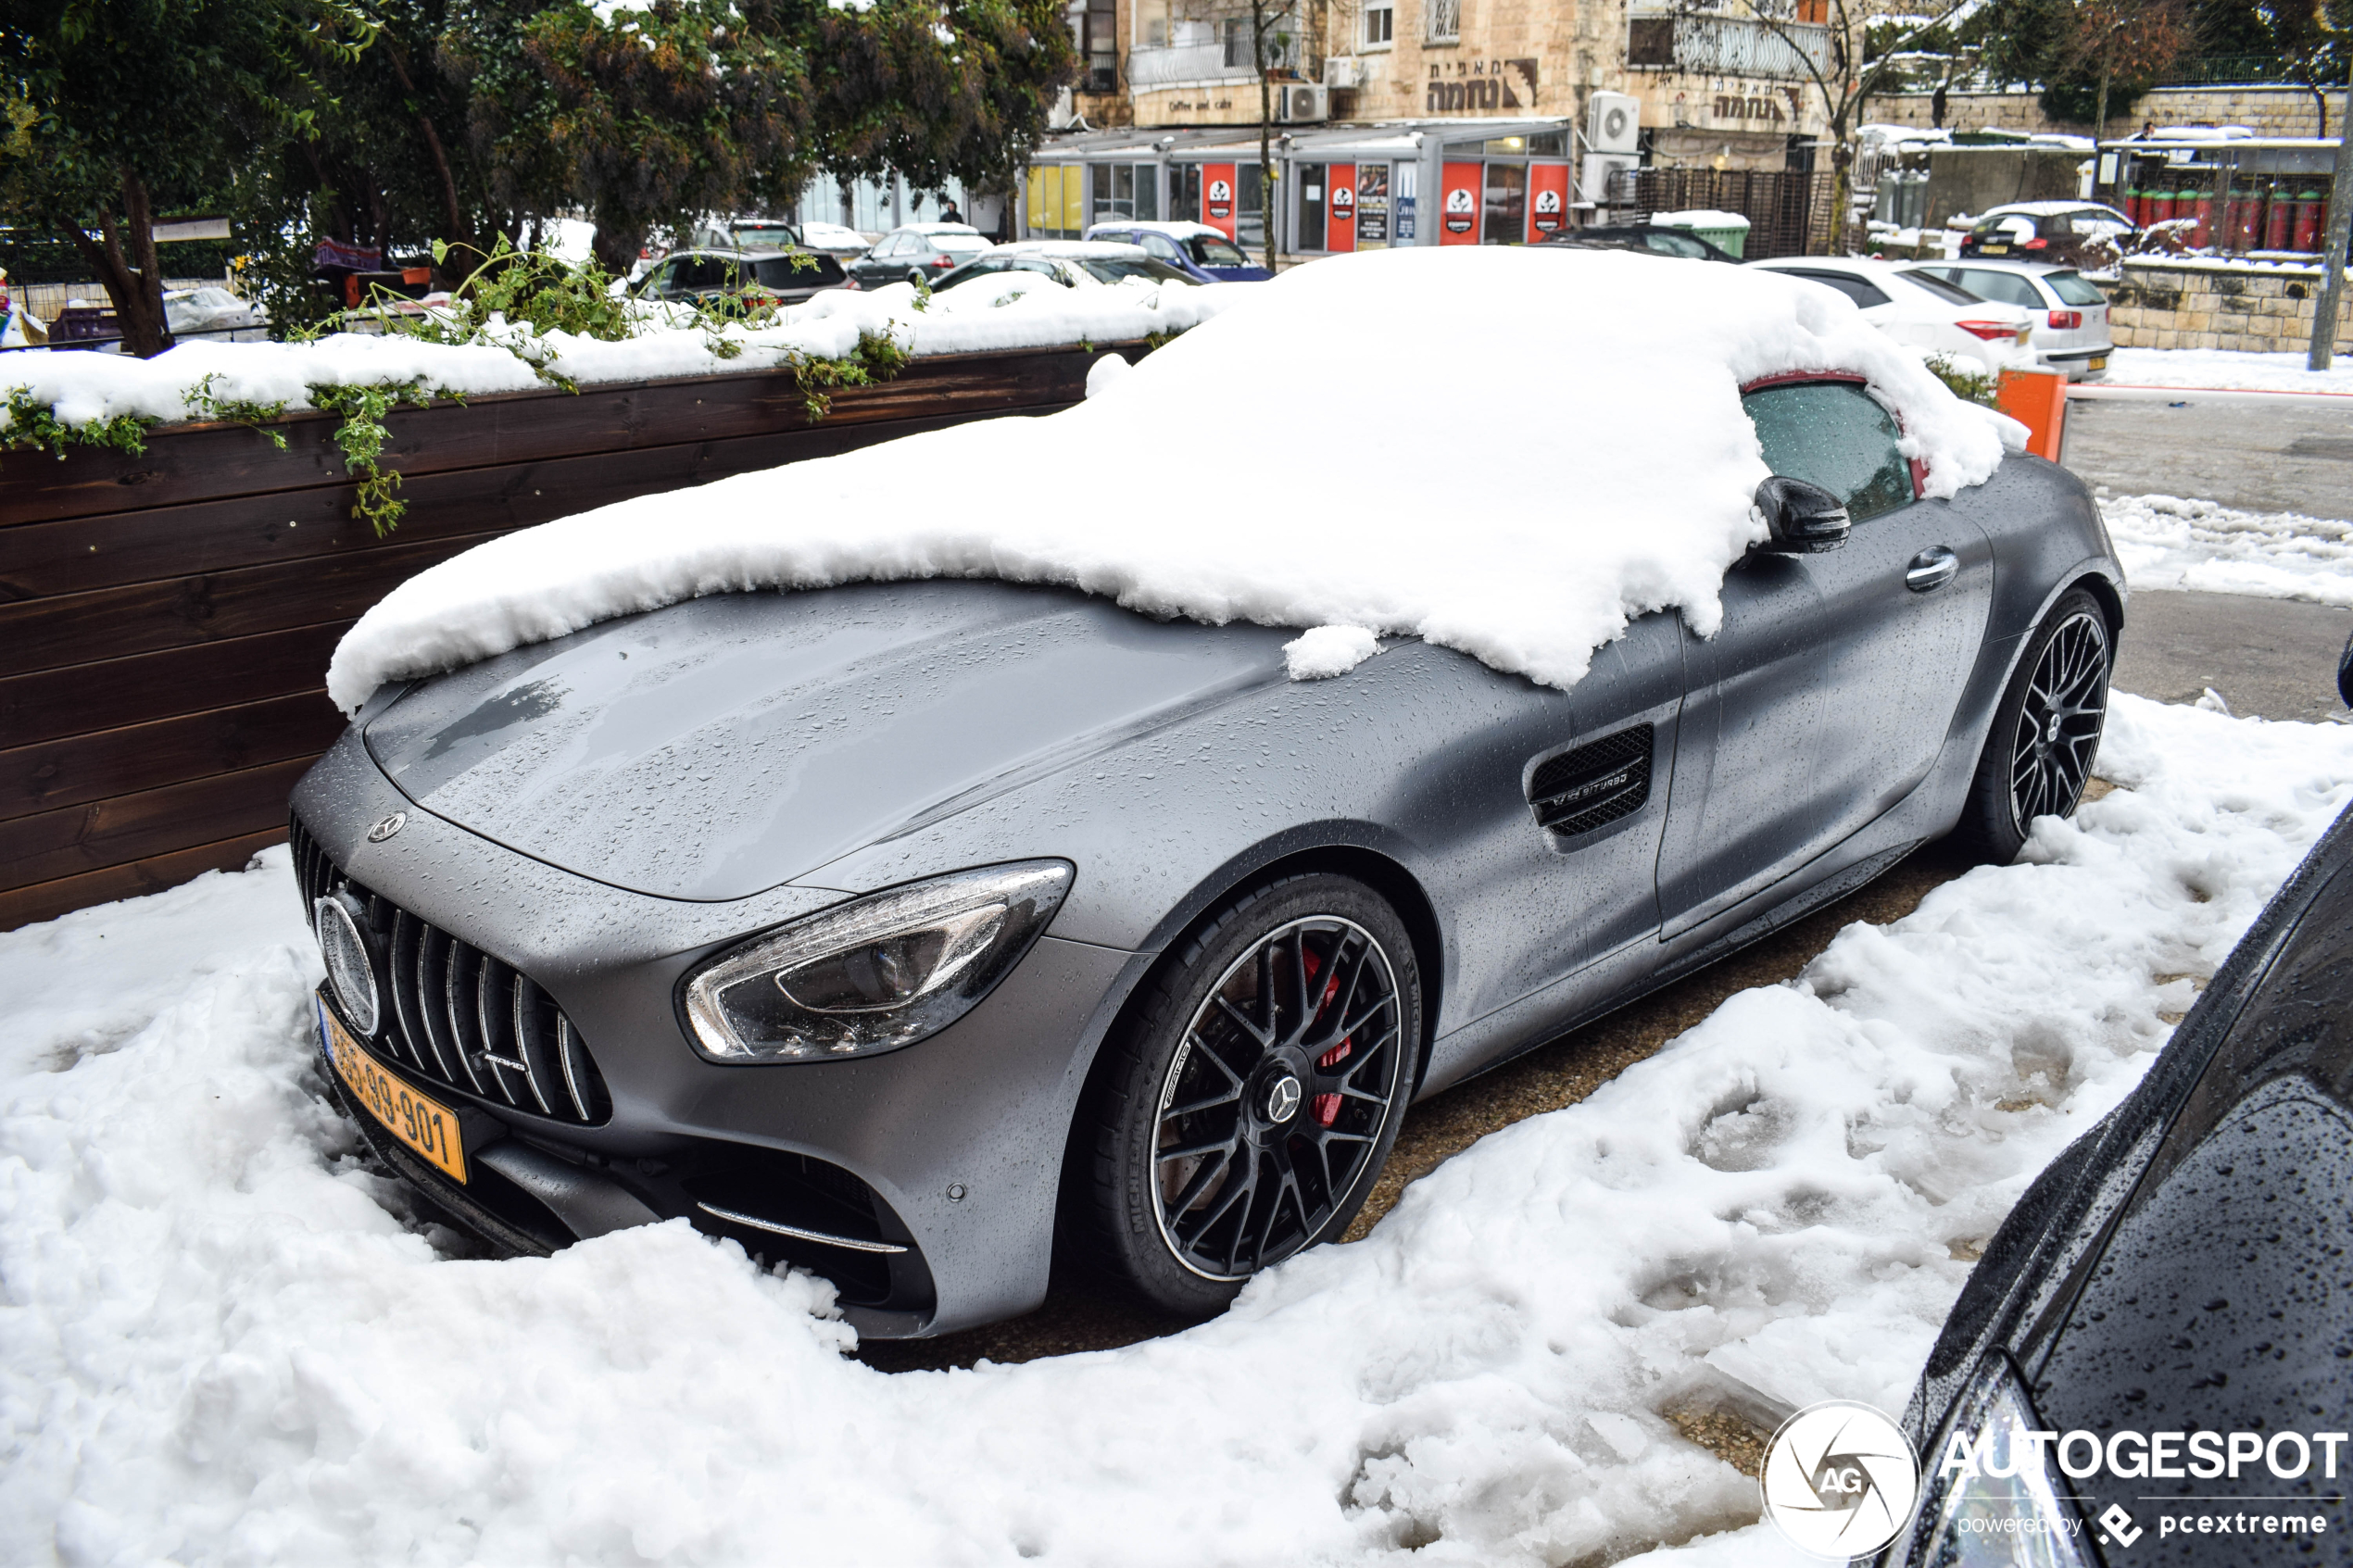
[[1341, 188]]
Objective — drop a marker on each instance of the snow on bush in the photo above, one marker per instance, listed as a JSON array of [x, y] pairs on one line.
[[2166, 542], [1509, 451], [87, 388], [222, 1339]]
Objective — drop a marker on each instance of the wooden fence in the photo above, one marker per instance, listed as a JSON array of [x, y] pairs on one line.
[[166, 619]]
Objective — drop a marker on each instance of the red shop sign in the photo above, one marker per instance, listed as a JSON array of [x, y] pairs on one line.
[[1459, 209], [1547, 199], [1217, 196], [1339, 217]]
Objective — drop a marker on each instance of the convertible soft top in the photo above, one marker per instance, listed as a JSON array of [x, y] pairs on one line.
[[1507, 453]]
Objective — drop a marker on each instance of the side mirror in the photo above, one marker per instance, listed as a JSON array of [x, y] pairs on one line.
[[2345, 673], [1806, 519]]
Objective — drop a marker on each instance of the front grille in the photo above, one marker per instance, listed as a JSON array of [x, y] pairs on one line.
[[459, 1018], [1595, 785]]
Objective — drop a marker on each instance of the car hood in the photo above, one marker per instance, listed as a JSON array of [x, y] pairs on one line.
[[719, 747]]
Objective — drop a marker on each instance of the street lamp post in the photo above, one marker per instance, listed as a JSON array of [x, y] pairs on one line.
[[2325, 309]]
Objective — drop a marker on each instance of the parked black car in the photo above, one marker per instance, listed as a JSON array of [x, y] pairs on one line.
[[742, 279], [2175, 1293], [925, 251], [2071, 234], [1657, 239]]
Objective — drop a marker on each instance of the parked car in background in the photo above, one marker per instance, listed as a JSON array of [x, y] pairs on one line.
[[1657, 239], [1913, 307], [912, 251], [2182, 1265], [1195, 249], [2070, 329], [741, 278], [746, 234], [833, 239], [1075, 264], [2050, 230]]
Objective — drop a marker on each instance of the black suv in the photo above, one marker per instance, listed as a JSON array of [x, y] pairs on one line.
[[741, 278]]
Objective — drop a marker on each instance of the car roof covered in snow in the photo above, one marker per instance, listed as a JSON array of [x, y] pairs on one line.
[[1175, 228], [1075, 250], [1619, 371], [2049, 209], [935, 229]]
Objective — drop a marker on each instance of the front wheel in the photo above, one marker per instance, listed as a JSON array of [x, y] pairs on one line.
[[2046, 731], [1247, 1111]]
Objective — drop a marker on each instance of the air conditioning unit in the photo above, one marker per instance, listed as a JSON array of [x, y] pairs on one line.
[[1613, 122], [1592, 182], [1343, 71], [1302, 103]]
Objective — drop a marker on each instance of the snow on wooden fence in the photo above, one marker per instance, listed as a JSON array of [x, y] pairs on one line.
[[166, 619]]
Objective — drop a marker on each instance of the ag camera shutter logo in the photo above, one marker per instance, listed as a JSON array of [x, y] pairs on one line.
[[1839, 1479]]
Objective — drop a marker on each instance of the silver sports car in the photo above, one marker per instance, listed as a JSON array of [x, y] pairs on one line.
[[896, 930]]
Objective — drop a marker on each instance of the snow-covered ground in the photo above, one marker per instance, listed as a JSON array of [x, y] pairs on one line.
[[2226, 369], [221, 1340], [2166, 542]]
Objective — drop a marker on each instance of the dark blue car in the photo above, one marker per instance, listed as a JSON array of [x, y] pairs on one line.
[[1199, 251]]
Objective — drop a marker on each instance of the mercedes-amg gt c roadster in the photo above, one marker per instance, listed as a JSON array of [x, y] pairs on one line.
[[898, 930]]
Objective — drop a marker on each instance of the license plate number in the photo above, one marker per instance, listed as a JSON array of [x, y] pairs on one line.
[[1995, 250], [2097, 362], [426, 1125]]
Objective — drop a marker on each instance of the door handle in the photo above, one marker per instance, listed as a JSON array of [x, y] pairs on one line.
[[1931, 569]]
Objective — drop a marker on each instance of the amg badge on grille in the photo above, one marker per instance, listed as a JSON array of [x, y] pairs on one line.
[[386, 828]]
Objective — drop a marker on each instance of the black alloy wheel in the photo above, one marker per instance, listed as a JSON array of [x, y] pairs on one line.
[[1247, 1113], [2046, 731]]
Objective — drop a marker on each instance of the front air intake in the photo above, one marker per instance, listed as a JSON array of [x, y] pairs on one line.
[[1598, 784], [459, 1018]]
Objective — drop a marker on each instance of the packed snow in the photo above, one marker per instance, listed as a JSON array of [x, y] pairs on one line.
[[222, 1337], [82, 388], [2166, 542], [1469, 451], [2227, 370]]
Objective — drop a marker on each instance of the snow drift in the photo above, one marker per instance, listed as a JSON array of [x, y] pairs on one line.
[[1512, 452], [223, 1340]]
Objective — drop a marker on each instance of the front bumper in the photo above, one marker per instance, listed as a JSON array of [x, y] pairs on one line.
[[956, 1141]]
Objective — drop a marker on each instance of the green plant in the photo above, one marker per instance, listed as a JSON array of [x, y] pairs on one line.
[[235, 410], [878, 358], [35, 424], [361, 436], [1969, 382]]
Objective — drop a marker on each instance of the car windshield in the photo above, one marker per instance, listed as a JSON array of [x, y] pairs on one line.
[[764, 236], [2071, 288], [805, 271], [1112, 268], [1951, 294], [1216, 253], [1668, 241], [959, 245]]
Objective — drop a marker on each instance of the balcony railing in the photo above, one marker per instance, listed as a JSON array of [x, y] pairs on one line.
[[1726, 46], [1220, 60]]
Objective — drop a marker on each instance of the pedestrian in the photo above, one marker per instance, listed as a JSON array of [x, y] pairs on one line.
[[949, 215]]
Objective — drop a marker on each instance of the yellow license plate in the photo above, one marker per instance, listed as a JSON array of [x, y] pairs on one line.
[[426, 1125], [1993, 250], [2097, 362]]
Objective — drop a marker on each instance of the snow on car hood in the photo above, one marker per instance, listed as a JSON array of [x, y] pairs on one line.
[[1508, 451]]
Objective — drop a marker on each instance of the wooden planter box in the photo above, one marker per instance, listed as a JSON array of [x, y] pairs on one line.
[[166, 619]]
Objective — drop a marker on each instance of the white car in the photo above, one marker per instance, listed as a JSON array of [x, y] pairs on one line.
[[1929, 313], [2071, 331], [1074, 264]]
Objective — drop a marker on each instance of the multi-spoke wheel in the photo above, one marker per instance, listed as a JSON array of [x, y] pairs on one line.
[[2046, 731], [1247, 1112]]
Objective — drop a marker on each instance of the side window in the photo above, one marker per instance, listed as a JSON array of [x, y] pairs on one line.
[[1836, 435], [1861, 292], [1159, 248], [661, 282], [2004, 288]]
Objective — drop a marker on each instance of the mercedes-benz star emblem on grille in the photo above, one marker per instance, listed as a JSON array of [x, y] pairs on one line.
[[386, 828]]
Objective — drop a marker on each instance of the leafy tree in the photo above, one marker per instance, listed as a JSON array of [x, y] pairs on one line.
[[136, 107]]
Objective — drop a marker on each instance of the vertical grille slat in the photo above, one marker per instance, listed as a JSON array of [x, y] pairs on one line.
[[456, 1011]]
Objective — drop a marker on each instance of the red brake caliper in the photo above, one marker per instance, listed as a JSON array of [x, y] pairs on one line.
[[1326, 1107]]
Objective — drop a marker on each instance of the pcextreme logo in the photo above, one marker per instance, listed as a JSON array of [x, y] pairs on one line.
[[1839, 1479]]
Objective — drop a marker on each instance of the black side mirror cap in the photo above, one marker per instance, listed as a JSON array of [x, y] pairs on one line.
[[1805, 518]]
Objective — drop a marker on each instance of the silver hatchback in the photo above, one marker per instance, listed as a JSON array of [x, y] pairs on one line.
[[2070, 313]]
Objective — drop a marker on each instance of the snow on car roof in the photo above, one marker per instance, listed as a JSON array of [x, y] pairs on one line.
[[1631, 466], [2045, 209], [1074, 249], [935, 229], [1175, 228]]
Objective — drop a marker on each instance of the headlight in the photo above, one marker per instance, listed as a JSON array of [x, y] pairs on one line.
[[1981, 1521], [351, 969], [875, 974]]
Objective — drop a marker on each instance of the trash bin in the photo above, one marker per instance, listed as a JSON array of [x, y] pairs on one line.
[[1725, 231]]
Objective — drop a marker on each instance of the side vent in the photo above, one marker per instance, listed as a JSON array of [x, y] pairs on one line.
[[1595, 785]]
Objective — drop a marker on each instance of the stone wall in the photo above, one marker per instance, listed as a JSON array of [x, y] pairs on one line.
[[2264, 307], [2269, 111]]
